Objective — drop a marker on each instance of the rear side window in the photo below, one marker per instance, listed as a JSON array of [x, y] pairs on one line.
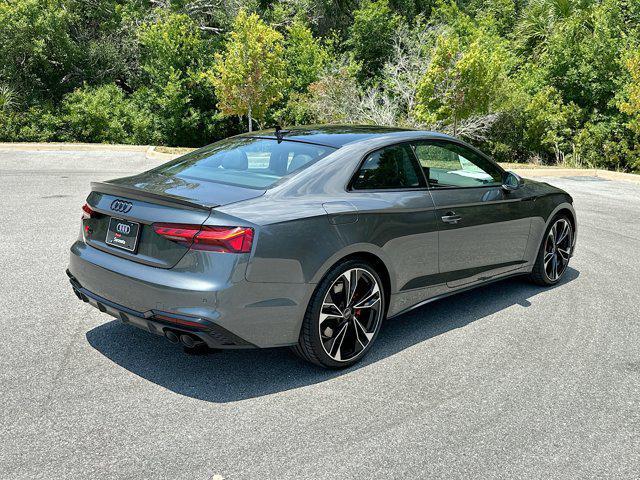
[[246, 162], [388, 168]]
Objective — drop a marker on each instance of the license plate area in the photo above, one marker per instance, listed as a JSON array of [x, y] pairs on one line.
[[123, 234]]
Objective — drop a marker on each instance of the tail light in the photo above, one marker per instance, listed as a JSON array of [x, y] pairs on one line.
[[87, 212], [215, 239]]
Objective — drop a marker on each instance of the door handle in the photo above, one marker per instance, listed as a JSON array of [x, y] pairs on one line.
[[451, 217]]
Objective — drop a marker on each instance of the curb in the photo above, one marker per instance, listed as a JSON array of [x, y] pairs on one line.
[[149, 150], [152, 154], [82, 147], [577, 172]]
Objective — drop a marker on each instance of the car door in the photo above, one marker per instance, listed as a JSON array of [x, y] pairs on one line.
[[482, 229], [395, 211]]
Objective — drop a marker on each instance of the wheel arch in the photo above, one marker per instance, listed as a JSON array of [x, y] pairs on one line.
[[570, 215], [368, 253], [567, 209]]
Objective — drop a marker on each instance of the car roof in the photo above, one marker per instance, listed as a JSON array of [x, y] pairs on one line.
[[338, 135]]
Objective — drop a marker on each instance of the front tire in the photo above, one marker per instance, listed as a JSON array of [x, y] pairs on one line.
[[343, 317], [554, 254]]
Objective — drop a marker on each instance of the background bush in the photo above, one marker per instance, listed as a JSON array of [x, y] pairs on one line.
[[547, 81]]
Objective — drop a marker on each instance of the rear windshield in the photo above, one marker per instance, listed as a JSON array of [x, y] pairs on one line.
[[246, 162]]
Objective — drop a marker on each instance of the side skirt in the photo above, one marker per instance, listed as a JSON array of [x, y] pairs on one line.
[[517, 273]]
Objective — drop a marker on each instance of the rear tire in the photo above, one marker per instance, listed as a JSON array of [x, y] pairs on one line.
[[343, 317], [554, 252]]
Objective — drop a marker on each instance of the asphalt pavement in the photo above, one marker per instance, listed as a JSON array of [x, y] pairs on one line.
[[507, 381]]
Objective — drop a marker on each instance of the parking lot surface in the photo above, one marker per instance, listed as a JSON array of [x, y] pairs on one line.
[[506, 381]]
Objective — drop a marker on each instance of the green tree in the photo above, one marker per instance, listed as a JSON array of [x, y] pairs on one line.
[[175, 57], [550, 124], [605, 142], [583, 56], [7, 99], [250, 75], [37, 51], [466, 77], [171, 43], [305, 57], [539, 20], [371, 37], [631, 92], [410, 9], [503, 12]]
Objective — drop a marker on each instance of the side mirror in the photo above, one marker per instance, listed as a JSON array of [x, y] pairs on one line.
[[511, 182]]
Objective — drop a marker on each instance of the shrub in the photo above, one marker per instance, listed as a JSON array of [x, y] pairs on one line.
[[101, 114]]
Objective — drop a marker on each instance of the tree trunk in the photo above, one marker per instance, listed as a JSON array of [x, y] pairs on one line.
[[250, 119]]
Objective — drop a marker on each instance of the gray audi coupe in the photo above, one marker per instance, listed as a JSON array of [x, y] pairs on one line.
[[311, 237]]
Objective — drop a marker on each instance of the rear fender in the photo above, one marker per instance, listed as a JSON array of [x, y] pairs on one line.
[[352, 250]]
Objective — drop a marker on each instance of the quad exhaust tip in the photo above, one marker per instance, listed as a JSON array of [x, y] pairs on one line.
[[171, 336], [189, 341]]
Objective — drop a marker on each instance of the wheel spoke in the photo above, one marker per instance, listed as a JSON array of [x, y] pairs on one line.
[[360, 329], [353, 343], [564, 232], [325, 316], [335, 351], [549, 268], [550, 240], [349, 281], [547, 258], [329, 311], [329, 306], [371, 299], [564, 254], [356, 276], [346, 286], [338, 293]]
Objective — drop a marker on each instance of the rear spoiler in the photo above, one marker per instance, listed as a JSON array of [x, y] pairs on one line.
[[138, 194]]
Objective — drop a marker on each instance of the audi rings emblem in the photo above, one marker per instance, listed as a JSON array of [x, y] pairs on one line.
[[123, 228], [121, 206]]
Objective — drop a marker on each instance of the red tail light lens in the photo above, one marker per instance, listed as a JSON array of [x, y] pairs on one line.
[[224, 239], [177, 233], [215, 239], [87, 212]]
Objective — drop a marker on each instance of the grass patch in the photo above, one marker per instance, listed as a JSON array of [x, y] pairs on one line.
[[174, 150]]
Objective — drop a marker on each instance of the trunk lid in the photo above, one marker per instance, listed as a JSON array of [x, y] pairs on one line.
[[193, 191], [142, 200]]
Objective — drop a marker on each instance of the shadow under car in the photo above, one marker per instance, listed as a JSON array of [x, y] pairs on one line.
[[232, 375]]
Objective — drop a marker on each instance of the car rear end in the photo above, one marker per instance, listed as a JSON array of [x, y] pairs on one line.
[[160, 266], [155, 252]]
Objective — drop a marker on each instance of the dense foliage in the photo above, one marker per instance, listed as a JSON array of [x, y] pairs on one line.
[[551, 81]]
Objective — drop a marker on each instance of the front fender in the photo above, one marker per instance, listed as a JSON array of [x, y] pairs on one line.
[[566, 206], [541, 222]]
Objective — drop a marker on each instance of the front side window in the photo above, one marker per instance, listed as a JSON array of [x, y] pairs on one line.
[[451, 165], [246, 162], [388, 168]]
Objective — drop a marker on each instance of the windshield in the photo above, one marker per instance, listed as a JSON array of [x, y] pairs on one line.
[[246, 162]]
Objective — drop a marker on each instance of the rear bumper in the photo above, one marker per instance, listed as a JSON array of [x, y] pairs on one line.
[[211, 292], [159, 323]]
